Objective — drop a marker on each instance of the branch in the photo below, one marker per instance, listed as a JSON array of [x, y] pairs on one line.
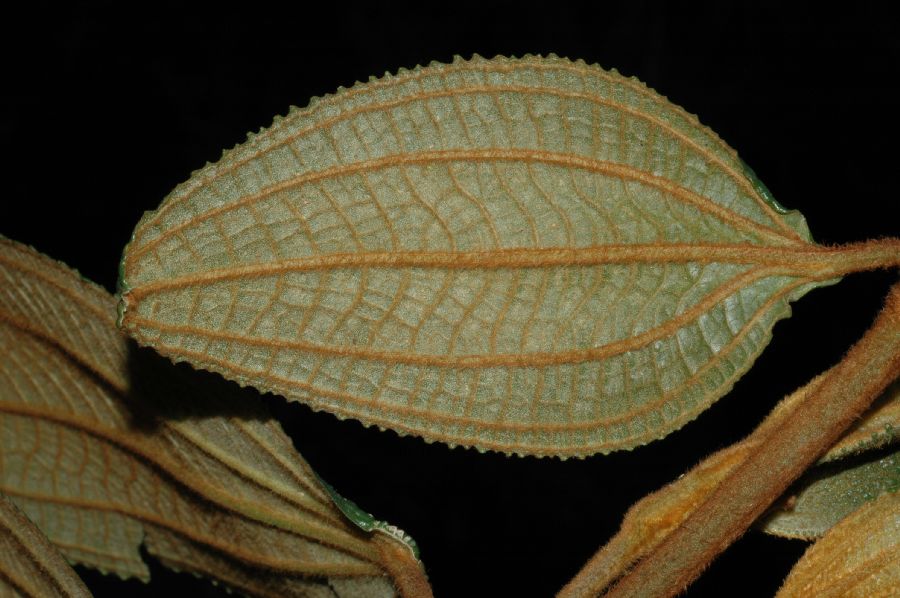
[[653, 518], [781, 449]]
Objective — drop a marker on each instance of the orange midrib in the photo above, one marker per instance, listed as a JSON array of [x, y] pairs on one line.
[[99, 305], [118, 387], [807, 260]]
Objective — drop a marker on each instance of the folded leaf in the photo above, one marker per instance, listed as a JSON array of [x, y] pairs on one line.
[[106, 448], [532, 256], [879, 427], [828, 493], [29, 564], [858, 558]]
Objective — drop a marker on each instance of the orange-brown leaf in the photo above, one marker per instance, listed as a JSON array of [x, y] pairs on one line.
[[30, 566], [858, 558], [652, 519]]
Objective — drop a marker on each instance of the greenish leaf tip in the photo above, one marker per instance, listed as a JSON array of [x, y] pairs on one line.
[[366, 522], [830, 492], [762, 189]]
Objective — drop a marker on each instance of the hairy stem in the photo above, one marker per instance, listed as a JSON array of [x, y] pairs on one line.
[[653, 518], [865, 255], [843, 393], [405, 570]]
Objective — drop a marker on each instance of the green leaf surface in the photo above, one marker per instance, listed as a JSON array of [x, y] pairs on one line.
[[107, 448], [877, 428], [533, 256], [828, 493]]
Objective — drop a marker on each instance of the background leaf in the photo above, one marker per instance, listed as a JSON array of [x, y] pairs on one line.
[[830, 492], [29, 564], [878, 427], [532, 256], [106, 449], [859, 557]]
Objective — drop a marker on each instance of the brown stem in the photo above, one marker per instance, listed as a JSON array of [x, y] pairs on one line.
[[405, 570], [653, 518], [869, 366], [865, 255]]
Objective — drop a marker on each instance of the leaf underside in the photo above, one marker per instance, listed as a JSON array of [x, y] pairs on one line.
[[30, 566], [853, 472], [105, 448], [858, 558], [531, 255], [828, 493]]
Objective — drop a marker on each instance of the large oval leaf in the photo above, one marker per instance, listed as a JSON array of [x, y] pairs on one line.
[[531, 256], [105, 451]]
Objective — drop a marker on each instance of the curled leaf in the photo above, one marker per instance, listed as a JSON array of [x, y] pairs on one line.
[[859, 557], [529, 255], [830, 492], [30, 566], [878, 427], [105, 448]]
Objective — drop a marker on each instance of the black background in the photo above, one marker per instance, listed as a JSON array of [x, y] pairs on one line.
[[103, 111]]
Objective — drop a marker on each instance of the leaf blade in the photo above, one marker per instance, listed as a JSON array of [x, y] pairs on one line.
[[497, 254], [208, 483], [828, 493]]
